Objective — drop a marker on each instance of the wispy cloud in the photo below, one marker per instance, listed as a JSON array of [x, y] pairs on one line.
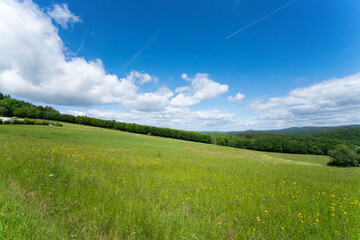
[[260, 19], [62, 15]]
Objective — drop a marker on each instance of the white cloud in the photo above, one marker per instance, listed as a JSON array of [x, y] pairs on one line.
[[74, 113], [33, 64], [184, 100], [121, 116], [331, 102], [150, 102], [141, 77], [62, 15], [216, 118], [237, 99], [213, 114], [180, 118], [202, 87], [182, 89]]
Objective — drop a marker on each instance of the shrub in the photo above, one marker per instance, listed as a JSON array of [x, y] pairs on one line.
[[29, 122], [343, 156], [41, 123], [17, 122]]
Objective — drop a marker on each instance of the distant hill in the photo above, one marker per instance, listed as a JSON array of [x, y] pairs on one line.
[[305, 131], [350, 134]]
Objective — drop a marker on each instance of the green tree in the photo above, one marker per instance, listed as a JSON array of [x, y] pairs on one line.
[[358, 150], [343, 156], [33, 112], [4, 112], [21, 112]]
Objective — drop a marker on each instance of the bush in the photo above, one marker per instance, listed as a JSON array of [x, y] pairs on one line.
[[17, 122], [41, 123], [29, 122], [343, 156]]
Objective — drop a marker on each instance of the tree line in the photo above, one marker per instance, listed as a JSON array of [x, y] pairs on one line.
[[280, 143], [319, 145]]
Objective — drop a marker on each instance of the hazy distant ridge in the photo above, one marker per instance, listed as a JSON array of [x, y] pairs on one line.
[[295, 131]]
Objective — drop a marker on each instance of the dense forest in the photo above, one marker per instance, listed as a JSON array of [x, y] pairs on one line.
[[318, 144]]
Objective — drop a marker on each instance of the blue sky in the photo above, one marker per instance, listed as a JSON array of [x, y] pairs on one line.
[[308, 50]]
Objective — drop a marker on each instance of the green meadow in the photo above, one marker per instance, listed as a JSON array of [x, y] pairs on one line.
[[79, 182]]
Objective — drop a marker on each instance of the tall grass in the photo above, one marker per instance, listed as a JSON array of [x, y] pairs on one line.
[[80, 182]]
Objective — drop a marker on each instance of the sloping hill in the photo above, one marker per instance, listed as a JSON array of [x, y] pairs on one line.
[[82, 182], [270, 142]]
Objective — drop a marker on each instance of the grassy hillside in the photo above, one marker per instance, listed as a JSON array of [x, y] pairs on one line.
[[82, 182], [314, 144]]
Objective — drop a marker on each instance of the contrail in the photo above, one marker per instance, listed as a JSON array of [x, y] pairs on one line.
[[81, 45], [149, 42], [260, 19]]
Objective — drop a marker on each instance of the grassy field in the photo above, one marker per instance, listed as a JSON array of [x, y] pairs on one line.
[[78, 182]]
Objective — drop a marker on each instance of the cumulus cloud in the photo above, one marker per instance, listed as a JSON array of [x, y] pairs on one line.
[[150, 102], [202, 87], [33, 64], [184, 100], [237, 99], [62, 15], [332, 102], [141, 77]]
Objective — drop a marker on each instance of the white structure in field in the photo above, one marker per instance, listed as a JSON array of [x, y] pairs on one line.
[[6, 119]]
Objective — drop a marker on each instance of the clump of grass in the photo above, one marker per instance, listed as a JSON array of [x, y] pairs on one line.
[[19, 219]]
